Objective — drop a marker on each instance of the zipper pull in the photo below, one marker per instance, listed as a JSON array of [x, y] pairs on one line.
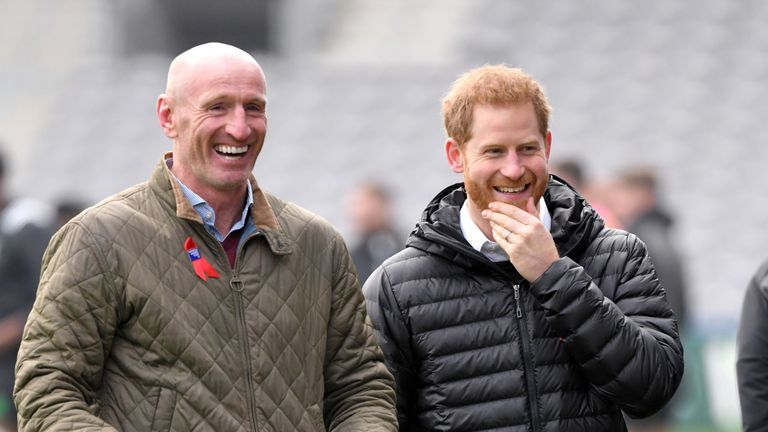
[[236, 284], [518, 312]]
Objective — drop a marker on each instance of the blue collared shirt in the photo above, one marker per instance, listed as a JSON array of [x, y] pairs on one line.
[[209, 216]]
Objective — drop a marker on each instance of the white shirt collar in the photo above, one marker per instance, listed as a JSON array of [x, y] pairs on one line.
[[477, 239]]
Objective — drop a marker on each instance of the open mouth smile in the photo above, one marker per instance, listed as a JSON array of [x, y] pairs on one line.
[[510, 190], [231, 152]]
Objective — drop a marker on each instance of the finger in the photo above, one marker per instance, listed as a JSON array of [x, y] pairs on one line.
[[520, 215], [499, 232], [500, 223], [505, 221]]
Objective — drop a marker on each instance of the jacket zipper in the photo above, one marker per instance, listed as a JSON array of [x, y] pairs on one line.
[[518, 311], [527, 363], [237, 286]]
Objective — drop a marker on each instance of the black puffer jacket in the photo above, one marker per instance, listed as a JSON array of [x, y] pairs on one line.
[[752, 344], [473, 346]]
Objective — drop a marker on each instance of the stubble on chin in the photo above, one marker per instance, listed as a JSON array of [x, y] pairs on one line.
[[476, 196]]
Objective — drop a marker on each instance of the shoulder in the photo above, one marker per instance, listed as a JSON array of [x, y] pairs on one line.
[[616, 241], [759, 280], [411, 268], [300, 223], [124, 213], [287, 210], [88, 242], [409, 263], [762, 272], [127, 201], [614, 256], [403, 272]]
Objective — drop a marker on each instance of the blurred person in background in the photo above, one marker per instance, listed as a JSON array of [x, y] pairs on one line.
[[637, 202], [18, 211], [20, 257], [573, 172], [752, 353], [512, 305], [369, 208], [24, 224], [197, 301]]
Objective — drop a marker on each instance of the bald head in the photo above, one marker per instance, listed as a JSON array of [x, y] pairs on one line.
[[190, 64]]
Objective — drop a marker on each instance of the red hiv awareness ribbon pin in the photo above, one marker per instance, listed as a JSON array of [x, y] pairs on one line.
[[202, 267]]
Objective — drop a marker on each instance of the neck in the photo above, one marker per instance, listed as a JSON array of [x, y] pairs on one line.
[[226, 203], [479, 220], [228, 207]]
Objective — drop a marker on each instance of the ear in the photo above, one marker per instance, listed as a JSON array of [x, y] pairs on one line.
[[454, 155], [548, 143], [165, 116]]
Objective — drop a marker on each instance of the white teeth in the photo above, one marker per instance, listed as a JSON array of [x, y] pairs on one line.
[[509, 189], [231, 149]]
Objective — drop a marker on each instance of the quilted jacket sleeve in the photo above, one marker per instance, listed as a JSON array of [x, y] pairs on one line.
[[393, 336], [752, 363], [359, 393], [66, 338], [627, 345]]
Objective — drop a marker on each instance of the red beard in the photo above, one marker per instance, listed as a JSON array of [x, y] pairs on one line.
[[482, 194]]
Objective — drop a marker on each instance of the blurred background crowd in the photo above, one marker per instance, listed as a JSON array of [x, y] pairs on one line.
[[658, 120]]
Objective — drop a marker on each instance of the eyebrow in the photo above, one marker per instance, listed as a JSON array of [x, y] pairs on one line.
[[207, 100], [530, 142]]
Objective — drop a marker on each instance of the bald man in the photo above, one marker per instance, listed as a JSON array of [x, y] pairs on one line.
[[196, 301]]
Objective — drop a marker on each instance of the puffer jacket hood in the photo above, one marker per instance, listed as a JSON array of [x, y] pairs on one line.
[[574, 225]]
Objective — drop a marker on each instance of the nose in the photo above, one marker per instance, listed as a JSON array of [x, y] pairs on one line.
[[237, 125], [513, 167]]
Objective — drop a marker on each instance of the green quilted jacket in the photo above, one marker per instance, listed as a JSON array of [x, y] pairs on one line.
[[125, 336]]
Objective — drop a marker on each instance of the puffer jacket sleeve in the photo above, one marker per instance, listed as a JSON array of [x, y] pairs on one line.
[[67, 336], [625, 339], [359, 394], [752, 361], [393, 336]]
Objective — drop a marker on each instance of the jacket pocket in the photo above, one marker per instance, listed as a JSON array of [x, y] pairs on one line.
[[164, 409]]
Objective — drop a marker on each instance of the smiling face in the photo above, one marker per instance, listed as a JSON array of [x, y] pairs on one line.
[[215, 112], [505, 158]]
